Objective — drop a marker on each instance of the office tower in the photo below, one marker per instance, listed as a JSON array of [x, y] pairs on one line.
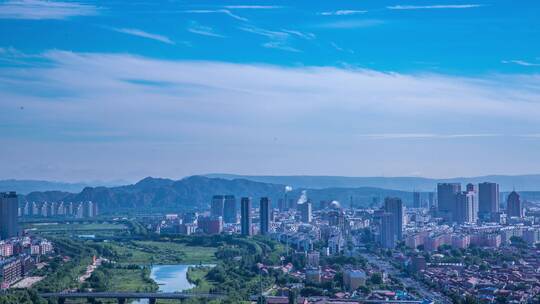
[[264, 215], [431, 199], [229, 214], [488, 199], [306, 209], [464, 211], [416, 199], [446, 199], [514, 207], [387, 234], [9, 209], [217, 206], [472, 188], [245, 215], [394, 206]]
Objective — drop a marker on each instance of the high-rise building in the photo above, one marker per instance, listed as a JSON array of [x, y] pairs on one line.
[[264, 214], [229, 214], [431, 199], [394, 206], [281, 205], [514, 207], [488, 199], [210, 224], [473, 189], [9, 211], [416, 199], [245, 215], [446, 199], [306, 209], [387, 229], [464, 211], [217, 205]]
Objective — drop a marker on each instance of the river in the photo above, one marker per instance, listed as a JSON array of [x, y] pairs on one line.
[[170, 278]]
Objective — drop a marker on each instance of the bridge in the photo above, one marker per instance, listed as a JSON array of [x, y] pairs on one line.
[[123, 296]]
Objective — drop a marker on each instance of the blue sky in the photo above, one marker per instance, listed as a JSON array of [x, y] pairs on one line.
[[121, 90]]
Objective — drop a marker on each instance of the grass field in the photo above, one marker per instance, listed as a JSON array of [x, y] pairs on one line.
[[131, 280], [154, 252], [76, 227]]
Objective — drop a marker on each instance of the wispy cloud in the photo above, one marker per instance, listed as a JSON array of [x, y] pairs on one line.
[[253, 6], [427, 135], [339, 48], [264, 32], [440, 6], [279, 39], [521, 62], [280, 46], [199, 29], [303, 35], [343, 12], [38, 9], [350, 24], [313, 111], [143, 34], [217, 11]]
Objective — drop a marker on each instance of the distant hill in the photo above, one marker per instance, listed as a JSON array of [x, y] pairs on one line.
[[197, 191], [27, 186], [506, 182]]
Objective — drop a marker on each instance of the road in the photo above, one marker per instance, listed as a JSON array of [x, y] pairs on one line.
[[420, 287]]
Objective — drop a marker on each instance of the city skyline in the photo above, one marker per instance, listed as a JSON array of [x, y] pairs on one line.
[[378, 88]]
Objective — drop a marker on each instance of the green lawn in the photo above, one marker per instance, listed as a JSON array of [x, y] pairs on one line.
[[131, 280], [154, 252]]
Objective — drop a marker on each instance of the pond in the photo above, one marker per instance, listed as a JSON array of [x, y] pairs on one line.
[[170, 278]]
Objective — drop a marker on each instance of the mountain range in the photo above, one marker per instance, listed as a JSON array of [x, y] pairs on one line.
[[27, 186], [507, 182], [196, 192]]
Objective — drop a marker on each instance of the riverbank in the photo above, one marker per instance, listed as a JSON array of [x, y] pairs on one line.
[[196, 275]]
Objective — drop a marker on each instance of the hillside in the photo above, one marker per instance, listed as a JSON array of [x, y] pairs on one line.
[[506, 182], [197, 191]]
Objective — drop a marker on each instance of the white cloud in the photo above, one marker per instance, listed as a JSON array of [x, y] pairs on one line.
[[443, 6], [104, 112], [307, 36], [143, 34], [339, 48], [427, 135], [279, 39], [521, 62], [198, 29], [253, 6], [343, 12], [38, 9], [218, 11], [350, 24], [280, 46]]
